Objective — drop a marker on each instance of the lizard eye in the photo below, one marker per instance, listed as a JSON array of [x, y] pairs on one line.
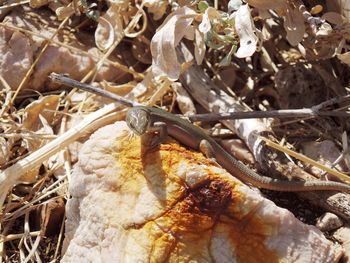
[[138, 120]]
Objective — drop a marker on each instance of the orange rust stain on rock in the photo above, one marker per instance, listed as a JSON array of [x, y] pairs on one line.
[[205, 206], [202, 212], [199, 209], [248, 235], [127, 152], [182, 153]]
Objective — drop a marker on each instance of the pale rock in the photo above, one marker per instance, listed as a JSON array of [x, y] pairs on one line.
[[18, 51], [328, 222], [343, 236], [169, 204]]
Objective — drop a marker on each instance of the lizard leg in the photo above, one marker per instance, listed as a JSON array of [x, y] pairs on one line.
[[206, 148], [159, 130]]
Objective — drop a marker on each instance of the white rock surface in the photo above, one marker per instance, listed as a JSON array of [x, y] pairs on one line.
[[174, 205]]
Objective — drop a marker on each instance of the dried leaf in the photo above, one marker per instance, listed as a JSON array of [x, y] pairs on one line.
[[38, 118], [294, 26], [199, 48], [166, 39], [156, 7], [104, 34], [38, 3], [228, 58], [64, 12], [345, 58], [210, 14], [46, 129], [109, 28], [190, 33], [45, 107], [30, 176], [246, 31], [334, 18], [324, 30], [122, 4]]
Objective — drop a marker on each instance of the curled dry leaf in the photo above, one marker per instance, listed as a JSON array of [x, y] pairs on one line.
[[45, 107], [64, 12], [104, 34], [109, 28], [156, 7], [38, 118], [210, 14], [246, 31], [173, 29]]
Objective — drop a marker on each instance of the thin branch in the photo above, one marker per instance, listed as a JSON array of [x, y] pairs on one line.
[[291, 113]]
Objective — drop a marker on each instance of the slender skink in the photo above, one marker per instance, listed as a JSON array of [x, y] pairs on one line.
[[142, 119]]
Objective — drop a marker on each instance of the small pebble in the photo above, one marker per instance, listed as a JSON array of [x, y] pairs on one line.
[[342, 235], [328, 222]]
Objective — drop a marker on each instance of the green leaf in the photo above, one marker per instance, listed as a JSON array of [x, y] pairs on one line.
[[227, 59], [202, 6]]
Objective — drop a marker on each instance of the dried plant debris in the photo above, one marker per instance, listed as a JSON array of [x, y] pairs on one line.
[[248, 55]]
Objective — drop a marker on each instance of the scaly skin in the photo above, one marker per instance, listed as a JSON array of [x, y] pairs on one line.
[[141, 119]]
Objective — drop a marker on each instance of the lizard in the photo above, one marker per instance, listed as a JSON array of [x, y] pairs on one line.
[[144, 119]]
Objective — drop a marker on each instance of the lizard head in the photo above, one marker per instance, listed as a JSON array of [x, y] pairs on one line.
[[138, 120]]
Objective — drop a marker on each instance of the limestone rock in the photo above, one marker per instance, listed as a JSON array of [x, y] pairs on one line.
[[169, 204]]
